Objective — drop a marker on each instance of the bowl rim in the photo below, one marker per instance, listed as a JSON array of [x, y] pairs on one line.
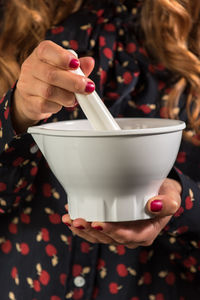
[[169, 125]]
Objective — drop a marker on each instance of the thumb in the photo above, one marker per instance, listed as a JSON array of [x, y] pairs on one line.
[[168, 200]]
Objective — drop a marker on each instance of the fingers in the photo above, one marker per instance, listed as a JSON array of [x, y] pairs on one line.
[[127, 233], [55, 61], [170, 185], [48, 92], [135, 233], [47, 100], [59, 78], [84, 230], [55, 55], [46, 83], [130, 234], [168, 201]]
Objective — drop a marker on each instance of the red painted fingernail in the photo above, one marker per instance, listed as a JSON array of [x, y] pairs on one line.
[[90, 87], [74, 63], [80, 227], [156, 205], [68, 224], [98, 228]]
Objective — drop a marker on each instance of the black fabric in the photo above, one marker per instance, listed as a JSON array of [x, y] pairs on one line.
[[39, 257]]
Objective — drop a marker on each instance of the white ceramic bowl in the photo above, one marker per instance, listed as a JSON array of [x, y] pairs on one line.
[[110, 175]]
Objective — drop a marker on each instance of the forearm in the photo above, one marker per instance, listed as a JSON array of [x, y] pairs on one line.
[[19, 159], [19, 120]]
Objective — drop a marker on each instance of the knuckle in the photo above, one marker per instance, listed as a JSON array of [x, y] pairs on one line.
[[176, 204], [171, 205], [21, 85], [70, 103], [43, 48], [48, 92], [51, 75], [122, 240], [94, 241], [25, 67], [106, 240], [70, 99], [41, 106]]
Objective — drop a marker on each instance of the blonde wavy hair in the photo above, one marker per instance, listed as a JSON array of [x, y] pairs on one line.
[[172, 35], [171, 29], [23, 26]]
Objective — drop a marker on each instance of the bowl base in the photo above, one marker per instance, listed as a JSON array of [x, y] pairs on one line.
[[116, 209]]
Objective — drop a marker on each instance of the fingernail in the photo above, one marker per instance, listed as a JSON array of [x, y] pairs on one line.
[[74, 63], [90, 87], [156, 205], [80, 227], [98, 228], [68, 224]]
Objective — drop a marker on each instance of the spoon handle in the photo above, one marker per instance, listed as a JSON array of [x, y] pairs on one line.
[[96, 112]]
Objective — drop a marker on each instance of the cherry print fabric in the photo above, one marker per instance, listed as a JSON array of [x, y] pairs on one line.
[[39, 257]]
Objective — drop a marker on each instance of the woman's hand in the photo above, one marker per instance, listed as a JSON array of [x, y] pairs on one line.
[[135, 233], [46, 84]]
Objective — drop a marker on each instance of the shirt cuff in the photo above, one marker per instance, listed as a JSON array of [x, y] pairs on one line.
[[186, 219], [7, 131]]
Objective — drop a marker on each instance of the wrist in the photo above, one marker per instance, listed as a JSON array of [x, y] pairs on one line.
[[19, 119]]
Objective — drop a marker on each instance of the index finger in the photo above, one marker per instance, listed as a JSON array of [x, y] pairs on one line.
[[53, 54]]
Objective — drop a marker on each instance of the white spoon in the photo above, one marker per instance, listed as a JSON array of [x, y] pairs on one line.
[[96, 112]]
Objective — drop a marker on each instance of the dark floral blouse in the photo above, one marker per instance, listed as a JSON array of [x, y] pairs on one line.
[[39, 257]]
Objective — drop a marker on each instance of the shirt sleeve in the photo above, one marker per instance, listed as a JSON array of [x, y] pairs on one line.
[[19, 159], [183, 230], [186, 219]]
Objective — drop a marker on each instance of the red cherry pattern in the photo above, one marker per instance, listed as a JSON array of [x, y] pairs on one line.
[[55, 298], [76, 270], [50, 250], [3, 186], [122, 270], [45, 234], [32, 212], [78, 294], [6, 247], [44, 277], [63, 278], [85, 247]]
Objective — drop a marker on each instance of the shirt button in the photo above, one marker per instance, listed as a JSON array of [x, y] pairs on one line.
[[79, 281]]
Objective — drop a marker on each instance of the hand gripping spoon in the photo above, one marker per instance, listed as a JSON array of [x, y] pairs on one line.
[[96, 112]]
